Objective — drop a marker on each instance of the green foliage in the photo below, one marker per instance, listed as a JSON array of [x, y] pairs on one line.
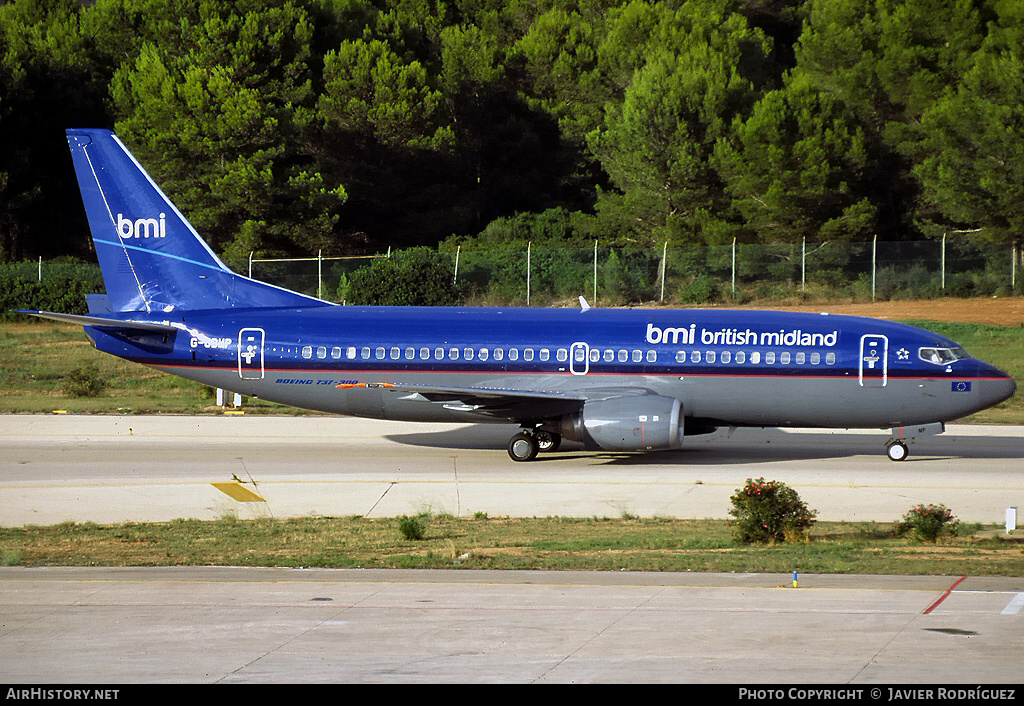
[[701, 289], [416, 277], [413, 528], [796, 169], [63, 287], [84, 381], [769, 511], [927, 523], [296, 126]]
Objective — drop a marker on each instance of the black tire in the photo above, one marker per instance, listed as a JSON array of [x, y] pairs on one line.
[[523, 447], [897, 451]]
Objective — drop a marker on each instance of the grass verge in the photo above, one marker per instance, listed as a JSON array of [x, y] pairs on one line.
[[601, 544]]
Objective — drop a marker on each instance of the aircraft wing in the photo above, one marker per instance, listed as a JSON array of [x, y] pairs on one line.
[[494, 402]]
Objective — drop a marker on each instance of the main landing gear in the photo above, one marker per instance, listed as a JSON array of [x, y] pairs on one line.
[[525, 445]]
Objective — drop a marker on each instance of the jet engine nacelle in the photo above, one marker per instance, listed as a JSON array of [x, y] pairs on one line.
[[632, 423]]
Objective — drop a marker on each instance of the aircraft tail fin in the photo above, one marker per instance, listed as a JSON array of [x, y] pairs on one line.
[[152, 259]]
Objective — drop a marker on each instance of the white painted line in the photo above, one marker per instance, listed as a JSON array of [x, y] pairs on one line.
[[1015, 605]]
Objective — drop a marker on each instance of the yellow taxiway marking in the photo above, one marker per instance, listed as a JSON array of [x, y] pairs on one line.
[[237, 492]]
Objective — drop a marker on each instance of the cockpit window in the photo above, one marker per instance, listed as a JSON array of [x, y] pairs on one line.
[[942, 356]]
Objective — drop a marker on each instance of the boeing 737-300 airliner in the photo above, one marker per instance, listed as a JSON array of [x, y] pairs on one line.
[[622, 380]]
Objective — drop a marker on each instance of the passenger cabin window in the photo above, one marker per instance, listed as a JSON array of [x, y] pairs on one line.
[[307, 351], [562, 355], [484, 354], [321, 352]]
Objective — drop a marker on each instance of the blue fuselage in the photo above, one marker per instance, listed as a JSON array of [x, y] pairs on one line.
[[736, 368]]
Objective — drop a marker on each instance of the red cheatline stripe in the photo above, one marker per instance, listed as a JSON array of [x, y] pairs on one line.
[[949, 590]]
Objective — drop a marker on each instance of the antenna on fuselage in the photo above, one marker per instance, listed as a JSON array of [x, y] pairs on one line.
[[583, 304]]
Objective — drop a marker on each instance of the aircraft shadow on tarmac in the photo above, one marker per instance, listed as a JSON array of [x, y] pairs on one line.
[[759, 446]]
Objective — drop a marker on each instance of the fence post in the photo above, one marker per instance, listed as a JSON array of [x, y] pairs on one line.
[[664, 266], [40, 268], [595, 273], [734, 266], [942, 261], [803, 266], [528, 246], [319, 274], [250, 264], [455, 277], [874, 258]]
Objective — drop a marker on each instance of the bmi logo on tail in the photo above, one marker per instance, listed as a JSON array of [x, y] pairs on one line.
[[142, 227]]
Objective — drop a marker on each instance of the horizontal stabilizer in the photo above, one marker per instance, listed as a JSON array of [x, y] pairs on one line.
[[103, 322]]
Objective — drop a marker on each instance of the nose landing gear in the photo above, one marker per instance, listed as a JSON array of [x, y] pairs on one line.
[[896, 451]]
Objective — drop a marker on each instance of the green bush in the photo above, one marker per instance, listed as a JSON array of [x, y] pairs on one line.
[[769, 511], [927, 522], [63, 288], [698, 290], [83, 382], [412, 528], [416, 277]]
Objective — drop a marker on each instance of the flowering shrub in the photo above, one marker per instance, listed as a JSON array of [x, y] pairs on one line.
[[927, 522], [769, 511]]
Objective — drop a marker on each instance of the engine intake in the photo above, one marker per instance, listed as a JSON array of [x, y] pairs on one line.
[[632, 423]]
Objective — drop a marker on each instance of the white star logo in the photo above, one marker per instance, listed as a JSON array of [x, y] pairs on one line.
[[903, 353]]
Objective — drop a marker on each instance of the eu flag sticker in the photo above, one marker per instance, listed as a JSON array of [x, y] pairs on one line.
[[961, 386]]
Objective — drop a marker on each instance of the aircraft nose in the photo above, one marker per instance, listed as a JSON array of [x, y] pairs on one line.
[[998, 387]]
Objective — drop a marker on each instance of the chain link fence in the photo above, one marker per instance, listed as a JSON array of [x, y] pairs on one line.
[[533, 275]]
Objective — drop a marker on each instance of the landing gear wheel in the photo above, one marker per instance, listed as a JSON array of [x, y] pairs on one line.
[[547, 441], [523, 447], [897, 451]]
